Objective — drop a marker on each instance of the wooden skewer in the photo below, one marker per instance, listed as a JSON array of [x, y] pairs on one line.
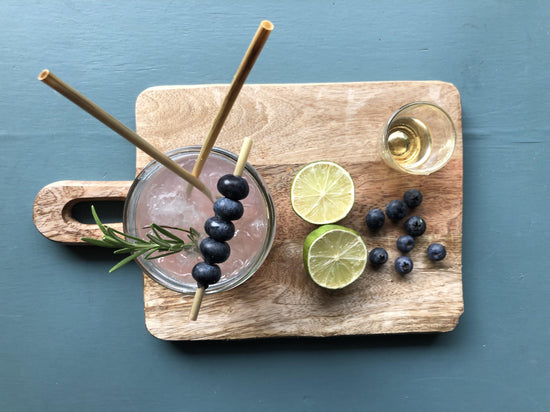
[[239, 168], [263, 32], [197, 300], [86, 104], [243, 156]]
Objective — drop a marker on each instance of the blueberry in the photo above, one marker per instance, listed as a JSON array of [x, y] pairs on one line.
[[436, 251], [375, 219], [378, 256], [415, 226], [233, 187], [206, 274], [214, 251], [396, 210], [412, 198], [228, 209], [219, 229], [403, 265], [405, 243]]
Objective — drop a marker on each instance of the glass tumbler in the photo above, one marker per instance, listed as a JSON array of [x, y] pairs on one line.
[[159, 196], [419, 138]]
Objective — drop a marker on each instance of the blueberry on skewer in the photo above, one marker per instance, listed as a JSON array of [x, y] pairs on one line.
[[214, 251], [206, 274], [220, 229], [228, 209], [233, 187]]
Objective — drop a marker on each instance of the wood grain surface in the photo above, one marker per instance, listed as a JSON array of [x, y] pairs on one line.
[[52, 208], [293, 124]]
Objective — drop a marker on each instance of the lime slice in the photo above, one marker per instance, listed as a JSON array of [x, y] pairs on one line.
[[322, 193], [334, 256]]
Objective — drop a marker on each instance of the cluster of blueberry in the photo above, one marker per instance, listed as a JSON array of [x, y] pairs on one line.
[[414, 226], [220, 229]]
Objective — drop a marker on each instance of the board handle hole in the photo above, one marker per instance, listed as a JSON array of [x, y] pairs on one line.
[[109, 211]]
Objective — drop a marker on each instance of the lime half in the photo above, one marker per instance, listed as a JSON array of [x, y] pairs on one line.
[[322, 193], [334, 256]]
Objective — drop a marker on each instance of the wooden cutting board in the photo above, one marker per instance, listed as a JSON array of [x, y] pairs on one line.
[[293, 124]]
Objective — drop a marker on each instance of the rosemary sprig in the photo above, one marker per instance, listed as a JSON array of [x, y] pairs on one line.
[[160, 242]]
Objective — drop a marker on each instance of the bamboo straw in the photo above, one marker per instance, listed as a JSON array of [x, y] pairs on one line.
[[263, 32], [86, 104], [239, 168]]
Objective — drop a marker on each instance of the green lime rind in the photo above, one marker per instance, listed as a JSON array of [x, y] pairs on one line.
[[338, 255]]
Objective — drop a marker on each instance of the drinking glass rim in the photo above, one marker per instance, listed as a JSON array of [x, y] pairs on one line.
[[185, 287]]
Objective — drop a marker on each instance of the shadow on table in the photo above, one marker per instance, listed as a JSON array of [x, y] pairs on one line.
[[306, 343]]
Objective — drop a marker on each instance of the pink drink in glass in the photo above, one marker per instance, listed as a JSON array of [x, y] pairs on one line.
[[160, 196]]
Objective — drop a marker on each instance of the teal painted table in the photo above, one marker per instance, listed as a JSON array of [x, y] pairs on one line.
[[73, 337]]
